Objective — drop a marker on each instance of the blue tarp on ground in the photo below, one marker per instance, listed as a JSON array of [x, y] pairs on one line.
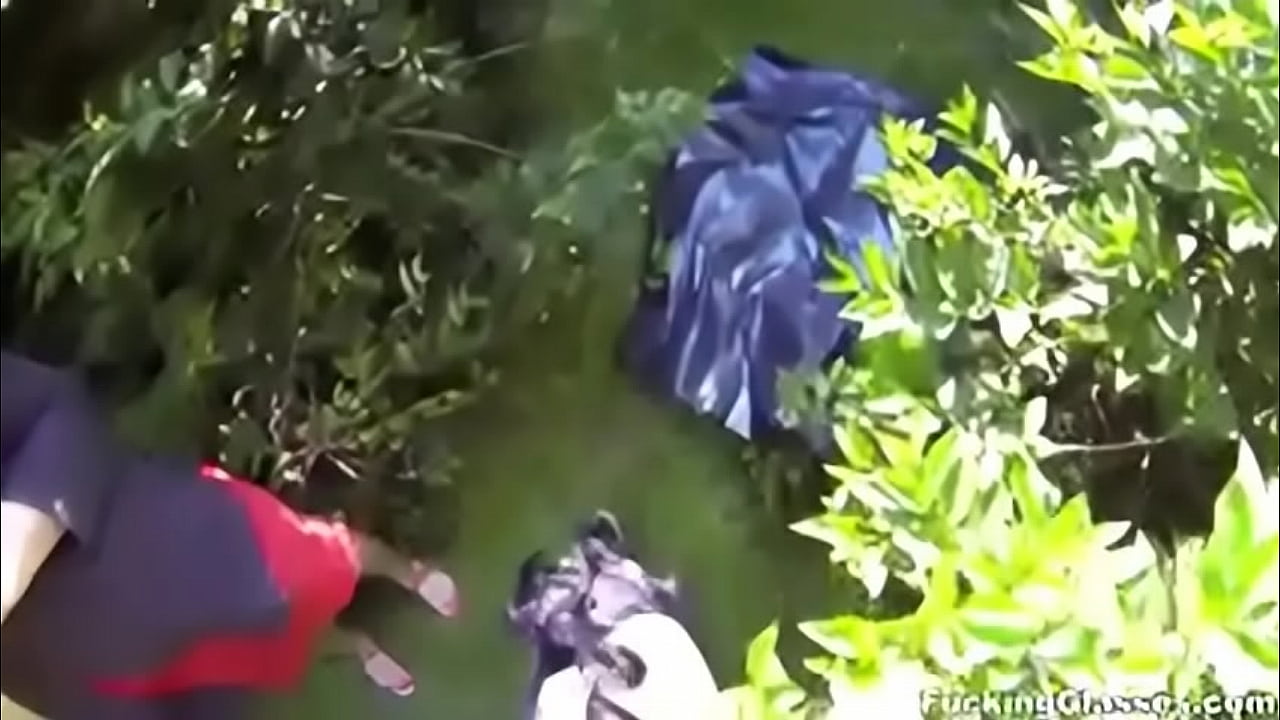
[[746, 206]]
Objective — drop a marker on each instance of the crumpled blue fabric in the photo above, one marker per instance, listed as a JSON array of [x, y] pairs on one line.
[[747, 205]]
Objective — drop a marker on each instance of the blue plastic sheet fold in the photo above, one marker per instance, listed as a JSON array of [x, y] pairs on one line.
[[745, 209]]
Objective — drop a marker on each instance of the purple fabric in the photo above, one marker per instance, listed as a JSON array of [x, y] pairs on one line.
[[566, 609], [158, 556], [206, 704], [58, 457]]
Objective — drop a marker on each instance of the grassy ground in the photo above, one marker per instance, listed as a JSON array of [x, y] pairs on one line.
[[565, 434]]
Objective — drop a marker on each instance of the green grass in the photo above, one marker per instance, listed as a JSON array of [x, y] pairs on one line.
[[564, 433]]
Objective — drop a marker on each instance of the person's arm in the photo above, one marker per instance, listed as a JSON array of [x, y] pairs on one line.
[[27, 536]]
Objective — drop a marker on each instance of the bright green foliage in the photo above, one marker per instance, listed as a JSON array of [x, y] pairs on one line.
[[1146, 255]]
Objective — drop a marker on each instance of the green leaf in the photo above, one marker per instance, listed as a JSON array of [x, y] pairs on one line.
[[941, 595], [1244, 513], [169, 70], [1256, 575], [941, 463], [1262, 646], [1000, 621], [961, 114], [1176, 318], [904, 359], [844, 279], [147, 127], [879, 270], [961, 183], [763, 667], [1142, 651], [962, 490], [848, 636], [1070, 526], [383, 35], [1124, 71], [1192, 36], [877, 496], [1237, 670], [110, 223], [1030, 489], [1046, 22], [919, 260], [844, 533], [1067, 642], [1134, 23]]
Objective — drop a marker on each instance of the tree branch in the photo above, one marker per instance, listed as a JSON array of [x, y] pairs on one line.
[[1137, 444]]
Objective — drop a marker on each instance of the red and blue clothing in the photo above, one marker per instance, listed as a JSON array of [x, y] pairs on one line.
[[178, 590]]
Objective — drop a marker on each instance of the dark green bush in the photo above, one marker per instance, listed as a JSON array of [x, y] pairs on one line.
[[275, 241]]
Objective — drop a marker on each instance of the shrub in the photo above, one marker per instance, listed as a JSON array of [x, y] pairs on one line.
[[1051, 332], [269, 243], [280, 241]]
